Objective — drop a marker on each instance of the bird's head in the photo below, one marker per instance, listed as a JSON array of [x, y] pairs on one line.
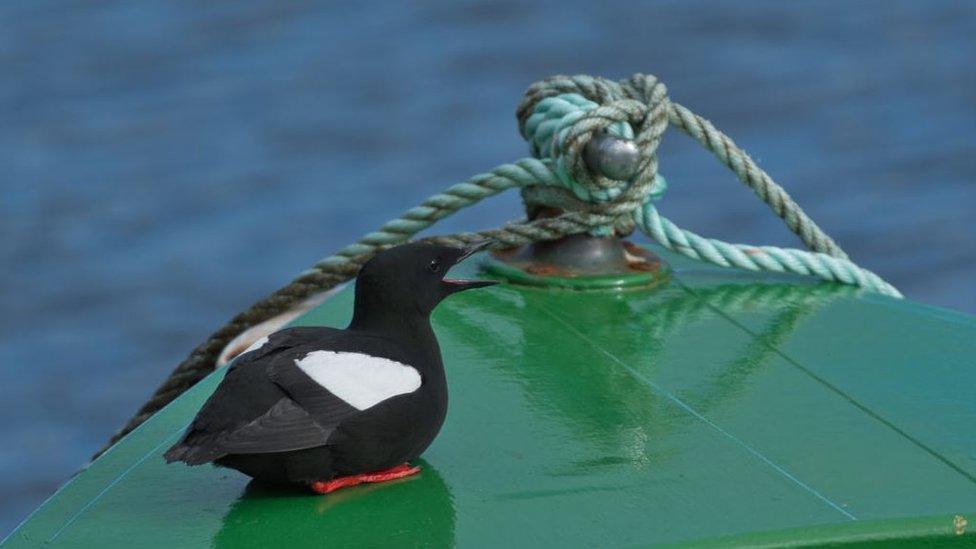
[[410, 279]]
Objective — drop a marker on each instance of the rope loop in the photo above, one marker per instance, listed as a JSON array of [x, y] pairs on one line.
[[559, 116]]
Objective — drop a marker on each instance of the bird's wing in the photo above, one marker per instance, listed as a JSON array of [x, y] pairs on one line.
[[244, 396], [296, 397], [354, 372], [285, 427]]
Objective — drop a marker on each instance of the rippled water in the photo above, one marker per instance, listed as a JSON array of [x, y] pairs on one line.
[[163, 167]]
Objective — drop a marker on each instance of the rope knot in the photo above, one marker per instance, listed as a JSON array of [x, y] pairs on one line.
[[563, 117], [561, 127], [559, 117]]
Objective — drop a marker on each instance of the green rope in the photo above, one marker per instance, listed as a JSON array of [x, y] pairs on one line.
[[557, 120], [558, 116]]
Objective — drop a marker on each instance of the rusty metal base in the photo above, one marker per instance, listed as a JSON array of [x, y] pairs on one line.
[[580, 262]]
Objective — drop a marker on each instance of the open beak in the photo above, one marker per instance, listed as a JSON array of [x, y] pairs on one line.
[[453, 285]]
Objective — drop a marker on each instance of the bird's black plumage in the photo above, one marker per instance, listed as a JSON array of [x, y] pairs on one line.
[[291, 411]]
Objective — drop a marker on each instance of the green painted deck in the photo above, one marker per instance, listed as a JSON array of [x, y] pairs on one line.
[[725, 408]]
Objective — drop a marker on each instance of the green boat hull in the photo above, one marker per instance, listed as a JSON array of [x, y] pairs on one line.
[[723, 408]]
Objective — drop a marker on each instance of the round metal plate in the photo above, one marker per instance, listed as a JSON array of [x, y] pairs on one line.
[[580, 262]]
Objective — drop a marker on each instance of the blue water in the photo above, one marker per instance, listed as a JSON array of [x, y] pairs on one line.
[[164, 166]]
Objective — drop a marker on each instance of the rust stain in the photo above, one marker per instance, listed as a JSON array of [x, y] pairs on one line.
[[545, 269], [631, 247], [636, 260], [643, 266], [639, 259]]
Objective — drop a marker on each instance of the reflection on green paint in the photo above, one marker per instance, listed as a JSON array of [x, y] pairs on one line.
[[719, 408], [412, 512]]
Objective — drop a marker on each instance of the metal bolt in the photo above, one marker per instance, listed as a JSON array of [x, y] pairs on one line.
[[614, 157]]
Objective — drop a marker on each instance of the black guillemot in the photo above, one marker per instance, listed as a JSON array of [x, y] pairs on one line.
[[330, 408]]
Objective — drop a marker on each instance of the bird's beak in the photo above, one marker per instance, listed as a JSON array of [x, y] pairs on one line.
[[452, 285]]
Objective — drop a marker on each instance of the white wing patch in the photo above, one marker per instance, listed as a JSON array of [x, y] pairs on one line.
[[361, 380]]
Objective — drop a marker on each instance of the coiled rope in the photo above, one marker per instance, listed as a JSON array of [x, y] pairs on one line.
[[558, 117]]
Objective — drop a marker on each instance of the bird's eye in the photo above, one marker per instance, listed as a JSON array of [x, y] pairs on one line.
[[434, 266]]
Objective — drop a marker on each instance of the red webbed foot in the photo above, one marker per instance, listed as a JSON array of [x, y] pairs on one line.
[[393, 473]]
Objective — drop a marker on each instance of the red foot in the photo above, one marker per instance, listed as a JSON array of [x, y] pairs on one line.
[[400, 471]]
